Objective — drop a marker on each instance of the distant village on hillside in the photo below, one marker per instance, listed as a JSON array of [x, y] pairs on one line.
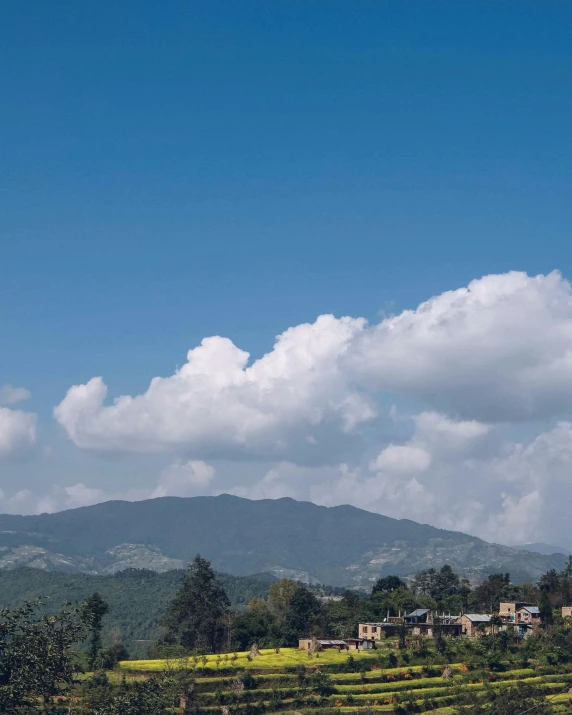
[[522, 618]]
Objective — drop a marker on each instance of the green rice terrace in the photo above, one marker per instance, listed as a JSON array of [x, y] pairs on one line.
[[290, 680]]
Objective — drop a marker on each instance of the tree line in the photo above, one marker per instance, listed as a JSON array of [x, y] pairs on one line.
[[200, 619]]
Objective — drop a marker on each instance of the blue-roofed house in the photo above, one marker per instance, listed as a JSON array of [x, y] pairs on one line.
[[528, 619], [475, 624]]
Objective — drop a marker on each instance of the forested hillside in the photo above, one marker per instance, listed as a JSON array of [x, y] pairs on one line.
[[339, 545], [137, 598]]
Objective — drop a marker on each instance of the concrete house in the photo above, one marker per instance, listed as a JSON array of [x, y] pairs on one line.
[[566, 611], [371, 631], [474, 624], [528, 619], [508, 610]]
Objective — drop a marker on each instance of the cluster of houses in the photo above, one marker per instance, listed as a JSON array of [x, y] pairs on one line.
[[524, 618]]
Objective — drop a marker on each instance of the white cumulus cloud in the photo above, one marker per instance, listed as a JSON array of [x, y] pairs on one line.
[[17, 431], [184, 479], [217, 402], [498, 350]]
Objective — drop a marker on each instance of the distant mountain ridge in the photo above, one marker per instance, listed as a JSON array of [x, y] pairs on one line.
[[544, 549], [340, 545]]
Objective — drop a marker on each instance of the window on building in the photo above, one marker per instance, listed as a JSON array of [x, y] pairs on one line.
[[374, 629]]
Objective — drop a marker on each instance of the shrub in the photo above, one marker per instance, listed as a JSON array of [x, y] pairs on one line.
[[249, 682], [321, 683]]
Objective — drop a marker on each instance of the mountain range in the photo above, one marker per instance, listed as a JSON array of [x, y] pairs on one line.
[[340, 545], [541, 548]]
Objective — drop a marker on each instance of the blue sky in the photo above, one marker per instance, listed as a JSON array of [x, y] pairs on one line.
[[177, 170]]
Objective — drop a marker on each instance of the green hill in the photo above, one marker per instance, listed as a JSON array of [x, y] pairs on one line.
[[137, 598]]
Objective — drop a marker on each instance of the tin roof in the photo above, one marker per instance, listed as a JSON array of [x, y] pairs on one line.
[[417, 612], [330, 642], [478, 617], [531, 609]]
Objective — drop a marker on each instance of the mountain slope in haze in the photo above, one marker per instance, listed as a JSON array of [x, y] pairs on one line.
[[339, 545], [544, 549]]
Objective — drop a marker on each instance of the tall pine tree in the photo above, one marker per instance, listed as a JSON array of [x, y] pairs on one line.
[[95, 608], [194, 618]]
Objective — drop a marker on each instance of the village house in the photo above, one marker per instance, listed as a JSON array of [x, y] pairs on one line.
[[371, 631], [319, 644], [508, 610], [566, 611], [360, 643], [528, 619], [473, 625]]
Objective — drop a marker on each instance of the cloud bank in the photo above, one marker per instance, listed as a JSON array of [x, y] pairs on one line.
[[485, 372], [498, 350]]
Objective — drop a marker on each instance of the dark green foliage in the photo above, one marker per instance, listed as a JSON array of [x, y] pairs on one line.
[[388, 584], [254, 627], [546, 608], [302, 617], [497, 587], [137, 599], [248, 681], [147, 697], [523, 697], [37, 657], [95, 608], [321, 683], [110, 657], [194, 618]]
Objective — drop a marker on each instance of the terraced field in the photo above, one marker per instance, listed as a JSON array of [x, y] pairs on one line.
[[290, 681], [268, 659]]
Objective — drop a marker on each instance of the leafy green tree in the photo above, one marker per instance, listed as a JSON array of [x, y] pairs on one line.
[[388, 584], [256, 627], [37, 659], [302, 616], [545, 607], [95, 609], [193, 619], [342, 617], [494, 589], [279, 596]]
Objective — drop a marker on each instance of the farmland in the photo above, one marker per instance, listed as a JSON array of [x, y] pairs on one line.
[[292, 681]]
